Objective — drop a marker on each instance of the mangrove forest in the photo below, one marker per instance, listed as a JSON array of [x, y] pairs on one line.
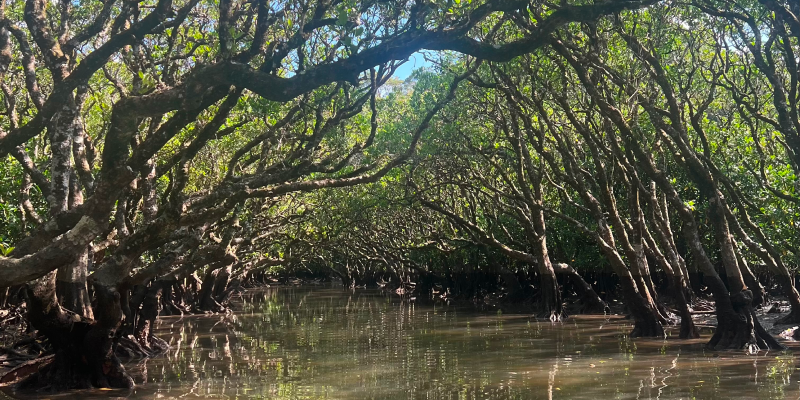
[[452, 199]]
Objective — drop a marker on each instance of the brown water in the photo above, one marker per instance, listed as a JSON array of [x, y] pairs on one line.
[[329, 343]]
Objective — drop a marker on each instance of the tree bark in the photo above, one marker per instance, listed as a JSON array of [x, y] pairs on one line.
[[145, 321], [592, 303], [551, 304], [71, 286], [83, 348]]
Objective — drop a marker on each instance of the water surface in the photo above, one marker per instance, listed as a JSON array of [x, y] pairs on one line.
[[331, 343]]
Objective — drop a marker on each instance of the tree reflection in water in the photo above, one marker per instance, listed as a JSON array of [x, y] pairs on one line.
[[320, 343]]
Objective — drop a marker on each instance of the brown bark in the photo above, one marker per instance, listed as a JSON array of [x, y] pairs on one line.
[[750, 279], [145, 321], [602, 206], [672, 267], [552, 307], [659, 216], [592, 303], [221, 282], [737, 326], [83, 356], [636, 295], [765, 251], [107, 370], [205, 297], [71, 287], [678, 283]]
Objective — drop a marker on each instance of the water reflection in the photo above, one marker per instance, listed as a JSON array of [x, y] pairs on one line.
[[326, 343]]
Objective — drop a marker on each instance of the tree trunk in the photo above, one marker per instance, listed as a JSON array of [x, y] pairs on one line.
[[71, 286], [169, 295], [737, 325], [146, 321], [646, 316], [647, 322], [510, 281], [592, 303], [107, 370], [83, 348], [205, 296], [221, 282], [750, 279], [551, 304]]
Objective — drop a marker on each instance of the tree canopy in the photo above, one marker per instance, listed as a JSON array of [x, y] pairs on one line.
[[147, 143]]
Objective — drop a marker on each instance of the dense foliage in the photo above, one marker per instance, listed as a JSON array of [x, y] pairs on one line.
[[161, 155]]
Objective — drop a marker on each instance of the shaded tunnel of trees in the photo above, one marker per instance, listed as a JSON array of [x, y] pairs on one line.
[[159, 156]]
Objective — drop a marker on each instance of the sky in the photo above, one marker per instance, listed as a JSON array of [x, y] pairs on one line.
[[416, 61]]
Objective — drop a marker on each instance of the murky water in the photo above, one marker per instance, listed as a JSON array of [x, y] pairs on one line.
[[328, 343]]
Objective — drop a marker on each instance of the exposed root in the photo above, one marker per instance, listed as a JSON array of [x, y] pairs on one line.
[[24, 370], [552, 316], [738, 327], [68, 370], [131, 349]]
